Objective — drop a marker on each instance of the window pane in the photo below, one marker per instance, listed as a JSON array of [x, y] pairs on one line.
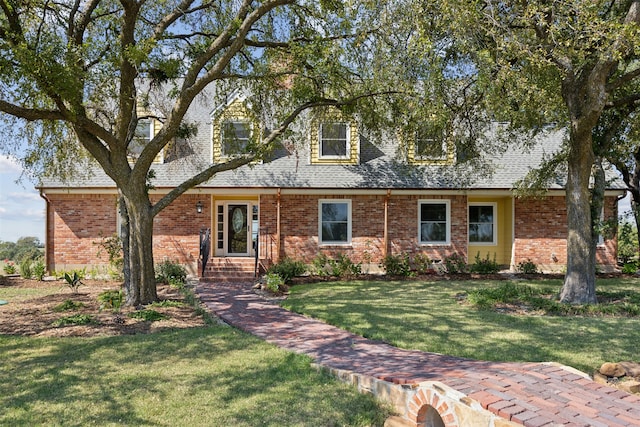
[[335, 212], [235, 136], [433, 232], [481, 233], [141, 137], [333, 139], [433, 212], [334, 232]]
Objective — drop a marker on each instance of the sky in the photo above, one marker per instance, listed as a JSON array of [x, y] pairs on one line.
[[22, 210]]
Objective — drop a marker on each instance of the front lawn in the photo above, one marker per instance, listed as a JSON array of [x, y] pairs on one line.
[[433, 316]]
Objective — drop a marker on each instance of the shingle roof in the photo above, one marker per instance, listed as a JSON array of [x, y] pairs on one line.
[[380, 167]]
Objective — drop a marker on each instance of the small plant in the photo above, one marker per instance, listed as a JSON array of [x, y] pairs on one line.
[[76, 319], [25, 268], [68, 305], [110, 300], [319, 265], [148, 315], [39, 270], [485, 265], [422, 263], [171, 273], [167, 303], [630, 268], [274, 282], [527, 267], [74, 281], [9, 267], [455, 263], [113, 247], [397, 265], [288, 268], [343, 267]]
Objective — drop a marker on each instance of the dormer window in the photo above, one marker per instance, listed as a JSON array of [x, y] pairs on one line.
[[145, 131], [234, 130], [235, 136], [334, 140], [430, 145]]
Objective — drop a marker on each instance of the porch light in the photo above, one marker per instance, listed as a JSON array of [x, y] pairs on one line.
[[199, 207]]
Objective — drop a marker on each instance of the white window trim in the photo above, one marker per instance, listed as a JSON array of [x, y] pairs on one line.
[[233, 120], [447, 203], [494, 205], [349, 222], [348, 140], [152, 134]]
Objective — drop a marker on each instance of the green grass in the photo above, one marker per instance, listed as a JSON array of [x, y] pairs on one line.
[[209, 376], [428, 316]]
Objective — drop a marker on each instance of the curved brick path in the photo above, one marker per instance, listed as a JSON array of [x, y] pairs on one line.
[[532, 394]]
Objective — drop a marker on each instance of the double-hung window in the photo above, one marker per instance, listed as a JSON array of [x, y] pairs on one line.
[[235, 136], [143, 133], [430, 147], [334, 222], [334, 140], [482, 223], [434, 221]]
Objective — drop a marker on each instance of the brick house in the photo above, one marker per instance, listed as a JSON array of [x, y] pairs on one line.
[[338, 192]]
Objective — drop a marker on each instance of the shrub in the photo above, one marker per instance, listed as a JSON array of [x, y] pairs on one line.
[[148, 315], [422, 263], [111, 300], [527, 267], [630, 267], [171, 273], [287, 269], [485, 265], [68, 305], [455, 263], [397, 265], [340, 267], [9, 267], [39, 270], [113, 246], [76, 319], [274, 282], [25, 268]]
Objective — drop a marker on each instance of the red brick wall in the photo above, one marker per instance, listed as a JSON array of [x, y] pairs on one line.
[[78, 222], [76, 225], [541, 233]]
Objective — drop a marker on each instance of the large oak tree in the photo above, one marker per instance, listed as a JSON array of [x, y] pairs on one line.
[[78, 71]]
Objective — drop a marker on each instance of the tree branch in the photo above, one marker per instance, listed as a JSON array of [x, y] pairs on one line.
[[30, 114]]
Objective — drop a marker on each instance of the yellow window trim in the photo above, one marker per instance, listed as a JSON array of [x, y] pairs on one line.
[[235, 111], [335, 116], [410, 141]]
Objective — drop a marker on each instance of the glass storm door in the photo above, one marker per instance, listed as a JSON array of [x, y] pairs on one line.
[[237, 230]]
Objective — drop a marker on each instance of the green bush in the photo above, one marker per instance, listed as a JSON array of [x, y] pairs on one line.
[[274, 282], [287, 269], [630, 268], [111, 300], [171, 273], [39, 270], [9, 267], [68, 305], [25, 268], [148, 315], [485, 265], [397, 265], [455, 263], [422, 263], [340, 267], [527, 267], [76, 319]]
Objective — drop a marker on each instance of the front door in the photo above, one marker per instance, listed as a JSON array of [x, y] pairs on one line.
[[238, 236]]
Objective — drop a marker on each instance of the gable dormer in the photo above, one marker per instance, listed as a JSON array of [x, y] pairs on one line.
[[430, 145], [147, 127], [334, 139], [234, 129]]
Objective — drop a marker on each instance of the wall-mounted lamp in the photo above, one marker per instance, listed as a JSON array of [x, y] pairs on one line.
[[199, 207]]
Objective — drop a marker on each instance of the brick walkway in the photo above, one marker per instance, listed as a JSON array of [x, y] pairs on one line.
[[532, 394]]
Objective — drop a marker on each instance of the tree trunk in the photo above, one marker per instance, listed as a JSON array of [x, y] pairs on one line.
[[124, 237], [580, 280], [142, 284]]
